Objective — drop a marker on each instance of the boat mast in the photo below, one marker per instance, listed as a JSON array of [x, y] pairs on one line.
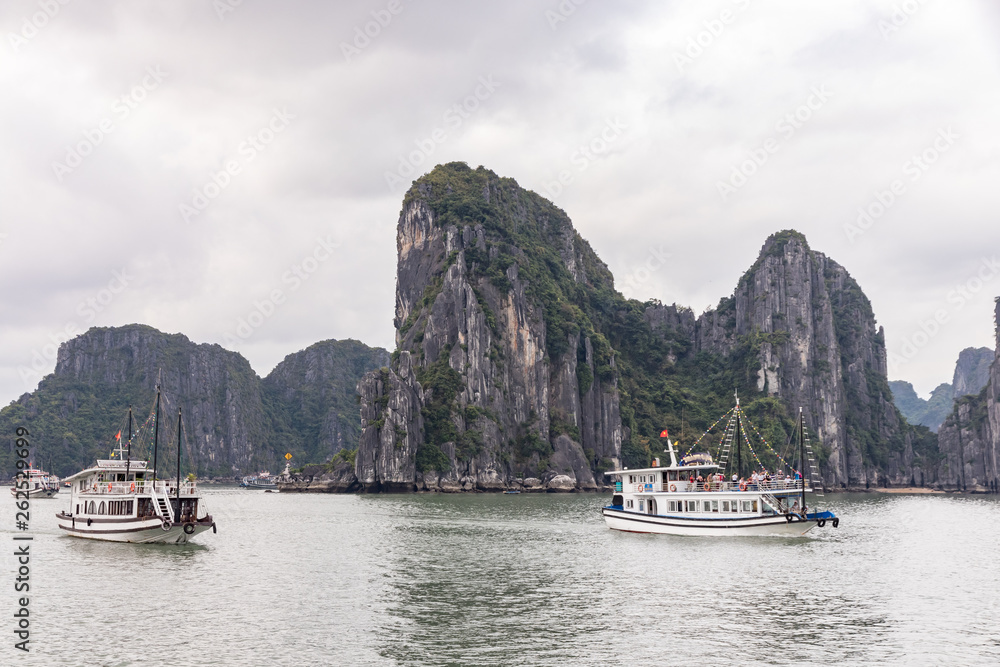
[[156, 429], [128, 462], [739, 445], [178, 460], [802, 463]]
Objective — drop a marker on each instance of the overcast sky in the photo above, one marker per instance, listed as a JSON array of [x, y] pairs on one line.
[[188, 164]]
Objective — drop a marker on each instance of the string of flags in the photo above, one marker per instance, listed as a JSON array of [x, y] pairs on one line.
[[707, 431]]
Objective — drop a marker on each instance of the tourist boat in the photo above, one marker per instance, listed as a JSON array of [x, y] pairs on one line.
[[693, 496], [263, 480], [121, 500], [40, 484]]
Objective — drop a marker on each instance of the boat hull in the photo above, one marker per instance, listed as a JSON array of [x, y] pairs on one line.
[[138, 531], [34, 493], [636, 522]]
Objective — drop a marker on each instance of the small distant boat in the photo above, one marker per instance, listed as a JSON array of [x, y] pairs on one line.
[[121, 500], [36, 483], [263, 480], [511, 491], [693, 496]]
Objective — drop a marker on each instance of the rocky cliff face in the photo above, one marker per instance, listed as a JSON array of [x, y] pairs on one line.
[[804, 332], [100, 373], [500, 375], [972, 372], [234, 423], [969, 440], [313, 399]]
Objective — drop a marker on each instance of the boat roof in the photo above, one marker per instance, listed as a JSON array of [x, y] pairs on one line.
[[115, 465], [634, 471]]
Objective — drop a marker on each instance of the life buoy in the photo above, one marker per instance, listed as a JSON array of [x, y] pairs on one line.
[[743, 486], [132, 488], [95, 486], [166, 525], [109, 487], [673, 487], [821, 523], [188, 528]]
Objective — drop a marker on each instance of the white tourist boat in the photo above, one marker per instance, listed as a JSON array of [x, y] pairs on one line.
[[34, 483], [693, 496], [120, 499]]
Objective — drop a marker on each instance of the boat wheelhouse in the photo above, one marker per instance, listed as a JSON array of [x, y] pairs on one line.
[[121, 500], [693, 496]]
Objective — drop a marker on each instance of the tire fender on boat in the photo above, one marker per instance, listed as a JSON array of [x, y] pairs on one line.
[[821, 523], [188, 528], [89, 521], [836, 523], [788, 518], [166, 525], [213, 528]]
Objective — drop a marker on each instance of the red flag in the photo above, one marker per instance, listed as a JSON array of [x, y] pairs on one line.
[[664, 434], [118, 436]]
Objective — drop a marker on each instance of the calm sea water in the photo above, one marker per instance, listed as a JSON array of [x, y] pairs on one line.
[[513, 580]]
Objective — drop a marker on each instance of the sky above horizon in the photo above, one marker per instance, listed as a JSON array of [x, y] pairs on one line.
[[233, 170]]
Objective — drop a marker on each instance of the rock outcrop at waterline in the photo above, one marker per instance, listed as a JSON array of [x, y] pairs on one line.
[[969, 439]]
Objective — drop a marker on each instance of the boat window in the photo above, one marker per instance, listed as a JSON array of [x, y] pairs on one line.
[[641, 506], [733, 508], [78, 508], [725, 505], [691, 505], [672, 506], [745, 506], [754, 505], [707, 506], [715, 505], [100, 508]]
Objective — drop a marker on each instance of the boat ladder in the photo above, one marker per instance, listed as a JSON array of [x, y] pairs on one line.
[[163, 506], [727, 447], [814, 477], [773, 502]]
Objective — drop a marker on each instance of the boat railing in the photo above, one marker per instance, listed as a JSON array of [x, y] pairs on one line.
[[167, 487], [686, 485]]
